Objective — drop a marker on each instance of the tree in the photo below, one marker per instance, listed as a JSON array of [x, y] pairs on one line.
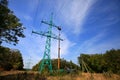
[[63, 65], [109, 61], [16, 60], [4, 58], [10, 59], [84, 62], [97, 63], [10, 26], [112, 59]]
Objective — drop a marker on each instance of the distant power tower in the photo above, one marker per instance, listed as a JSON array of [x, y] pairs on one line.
[[28, 64], [46, 58]]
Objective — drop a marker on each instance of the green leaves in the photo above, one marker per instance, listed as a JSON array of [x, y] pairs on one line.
[[10, 26], [112, 59], [10, 59], [109, 61], [63, 65]]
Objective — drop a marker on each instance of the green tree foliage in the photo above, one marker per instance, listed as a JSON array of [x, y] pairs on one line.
[[63, 65], [10, 27], [10, 59], [109, 61], [112, 59]]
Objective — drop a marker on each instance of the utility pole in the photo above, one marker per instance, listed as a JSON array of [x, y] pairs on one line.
[[46, 58], [59, 52]]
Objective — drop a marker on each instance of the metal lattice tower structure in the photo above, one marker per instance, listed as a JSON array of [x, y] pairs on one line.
[[28, 64], [46, 58]]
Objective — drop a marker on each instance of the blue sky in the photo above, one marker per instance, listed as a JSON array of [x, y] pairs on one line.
[[88, 26]]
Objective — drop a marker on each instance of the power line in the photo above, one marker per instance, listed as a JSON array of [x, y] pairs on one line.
[[37, 11], [61, 8], [35, 15]]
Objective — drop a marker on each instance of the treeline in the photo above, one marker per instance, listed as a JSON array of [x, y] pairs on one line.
[[63, 65], [10, 59], [107, 62]]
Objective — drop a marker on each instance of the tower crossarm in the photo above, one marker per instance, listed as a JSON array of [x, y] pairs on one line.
[[47, 35], [59, 28], [56, 37], [39, 33]]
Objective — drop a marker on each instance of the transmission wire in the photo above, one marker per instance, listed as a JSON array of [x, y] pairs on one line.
[[35, 15], [62, 7]]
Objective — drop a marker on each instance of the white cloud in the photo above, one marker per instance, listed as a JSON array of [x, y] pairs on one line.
[[90, 45], [27, 17], [74, 13], [94, 45]]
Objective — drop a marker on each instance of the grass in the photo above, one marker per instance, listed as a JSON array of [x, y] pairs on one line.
[[30, 75]]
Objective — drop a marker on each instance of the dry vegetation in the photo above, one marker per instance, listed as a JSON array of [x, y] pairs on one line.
[[23, 75], [86, 76]]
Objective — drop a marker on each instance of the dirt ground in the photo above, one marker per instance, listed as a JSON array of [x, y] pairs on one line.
[[30, 75]]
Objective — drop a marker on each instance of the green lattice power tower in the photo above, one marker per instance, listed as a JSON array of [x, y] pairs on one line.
[[46, 58]]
